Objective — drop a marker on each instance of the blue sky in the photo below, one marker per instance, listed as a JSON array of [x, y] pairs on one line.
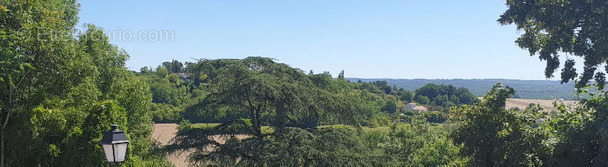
[[367, 39]]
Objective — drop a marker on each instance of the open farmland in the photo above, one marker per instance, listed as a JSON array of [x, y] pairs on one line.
[[546, 104]]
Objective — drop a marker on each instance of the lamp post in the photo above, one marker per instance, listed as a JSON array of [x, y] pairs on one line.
[[114, 145]]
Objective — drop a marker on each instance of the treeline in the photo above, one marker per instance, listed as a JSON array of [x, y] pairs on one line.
[[527, 89], [179, 90]]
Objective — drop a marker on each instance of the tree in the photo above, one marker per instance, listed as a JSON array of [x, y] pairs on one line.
[[390, 107], [418, 144], [176, 66], [553, 29], [162, 72], [90, 133], [29, 32], [407, 96], [341, 75], [446, 95], [495, 136], [173, 66], [145, 69], [116, 83], [383, 85], [49, 81], [272, 94], [422, 99]]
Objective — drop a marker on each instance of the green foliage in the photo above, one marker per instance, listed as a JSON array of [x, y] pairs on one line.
[[444, 95], [438, 152], [341, 75], [285, 95], [174, 66], [495, 136], [250, 94], [568, 27], [422, 99], [161, 72], [554, 28], [420, 144], [435, 116], [135, 97], [164, 91], [288, 146], [165, 113], [59, 93], [100, 116], [407, 96], [390, 107], [580, 134]]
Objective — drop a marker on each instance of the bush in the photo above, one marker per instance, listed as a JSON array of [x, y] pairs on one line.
[[435, 116], [165, 113]]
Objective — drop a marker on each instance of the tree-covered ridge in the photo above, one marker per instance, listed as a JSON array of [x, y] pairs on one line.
[[526, 89], [209, 91]]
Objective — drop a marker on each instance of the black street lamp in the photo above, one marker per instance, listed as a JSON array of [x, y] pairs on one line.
[[114, 144]]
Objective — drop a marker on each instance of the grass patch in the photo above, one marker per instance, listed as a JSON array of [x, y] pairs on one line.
[[204, 125], [384, 129]]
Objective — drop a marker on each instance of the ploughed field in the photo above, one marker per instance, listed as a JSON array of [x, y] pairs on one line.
[[546, 104], [163, 133]]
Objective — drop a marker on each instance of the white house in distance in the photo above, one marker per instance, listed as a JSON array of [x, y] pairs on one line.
[[414, 107]]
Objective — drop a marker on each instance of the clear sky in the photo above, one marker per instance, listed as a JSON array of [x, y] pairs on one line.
[[432, 39]]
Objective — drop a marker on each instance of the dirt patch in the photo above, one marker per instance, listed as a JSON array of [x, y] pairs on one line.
[[163, 133], [546, 104]]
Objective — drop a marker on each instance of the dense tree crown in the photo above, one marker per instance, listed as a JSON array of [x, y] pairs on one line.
[[495, 136], [445, 95], [60, 93], [554, 29]]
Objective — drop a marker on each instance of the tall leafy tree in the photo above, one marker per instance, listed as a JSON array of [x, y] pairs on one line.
[[49, 81], [557, 29], [270, 94], [390, 107], [495, 136], [341, 75], [263, 87], [36, 57]]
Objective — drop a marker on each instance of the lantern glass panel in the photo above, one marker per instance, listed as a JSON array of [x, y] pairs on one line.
[[120, 150], [107, 149]]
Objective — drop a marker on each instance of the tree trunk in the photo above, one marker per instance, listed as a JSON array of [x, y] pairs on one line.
[[2, 147], [258, 126], [2, 141]]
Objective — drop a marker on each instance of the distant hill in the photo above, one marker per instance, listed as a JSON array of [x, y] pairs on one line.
[[529, 89]]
